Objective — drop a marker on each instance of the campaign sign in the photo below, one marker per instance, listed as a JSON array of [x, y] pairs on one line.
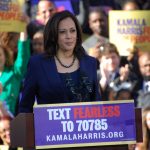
[[131, 29], [11, 15], [84, 124]]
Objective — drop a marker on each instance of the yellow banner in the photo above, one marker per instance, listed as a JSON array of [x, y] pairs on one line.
[[128, 29], [10, 14]]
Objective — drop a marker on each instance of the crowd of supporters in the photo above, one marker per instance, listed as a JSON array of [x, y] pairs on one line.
[[119, 77]]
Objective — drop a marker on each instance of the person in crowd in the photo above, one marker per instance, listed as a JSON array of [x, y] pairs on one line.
[[45, 10], [38, 42], [5, 130], [111, 69], [12, 71], [121, 90], [145, 4], [9, 41], [64, 73], [99, 25], [146, 125], [130, 5], [145, 145], [132, 60], [144, 85]]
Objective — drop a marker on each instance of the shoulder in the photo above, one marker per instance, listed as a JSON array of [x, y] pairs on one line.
[[34, 23], [89, 39], [104, 38], [143, 99], [89, 59], [37, 59], [90, 42]]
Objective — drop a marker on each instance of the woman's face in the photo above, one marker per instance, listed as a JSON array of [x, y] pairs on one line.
[[2, 58], [98, 23], [67, 35], [5, 131], [38, 43], [148, 120]]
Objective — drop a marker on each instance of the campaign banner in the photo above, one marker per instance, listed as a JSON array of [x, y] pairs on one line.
[[84, 124], [129, 29], [11, 12]]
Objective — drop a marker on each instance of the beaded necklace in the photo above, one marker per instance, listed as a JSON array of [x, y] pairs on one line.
[[66, 66]]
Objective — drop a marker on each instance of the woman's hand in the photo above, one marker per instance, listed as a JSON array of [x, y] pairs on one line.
[[124, 72], [105, 74], [23, 35]]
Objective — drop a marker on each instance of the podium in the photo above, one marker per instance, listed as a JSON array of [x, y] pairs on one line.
[[22, 133]]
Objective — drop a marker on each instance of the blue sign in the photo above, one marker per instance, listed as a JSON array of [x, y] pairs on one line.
[[84, 124]]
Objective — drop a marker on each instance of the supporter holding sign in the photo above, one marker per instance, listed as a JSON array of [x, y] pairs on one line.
[[14, 56]]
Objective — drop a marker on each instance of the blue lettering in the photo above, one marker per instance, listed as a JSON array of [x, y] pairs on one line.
[[131, 22], [132, 30], [4, 7]]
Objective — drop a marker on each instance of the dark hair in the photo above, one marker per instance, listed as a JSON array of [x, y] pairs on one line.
[[51, 34], [97, 10]]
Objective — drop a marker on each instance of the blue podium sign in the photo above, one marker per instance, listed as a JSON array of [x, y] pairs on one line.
[[84, 124]]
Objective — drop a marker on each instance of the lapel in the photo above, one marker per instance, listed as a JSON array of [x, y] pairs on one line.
[[48, 64], [82, 64], [51, 73]]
